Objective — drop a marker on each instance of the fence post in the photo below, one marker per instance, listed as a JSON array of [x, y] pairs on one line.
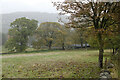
[[105, 66]]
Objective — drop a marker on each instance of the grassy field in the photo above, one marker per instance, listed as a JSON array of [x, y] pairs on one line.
[[3, 49], [52, 64]]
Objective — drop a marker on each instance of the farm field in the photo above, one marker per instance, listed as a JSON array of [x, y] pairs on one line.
[[52, 64]]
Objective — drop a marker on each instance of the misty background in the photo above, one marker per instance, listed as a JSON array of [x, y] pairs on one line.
[[40, 10]]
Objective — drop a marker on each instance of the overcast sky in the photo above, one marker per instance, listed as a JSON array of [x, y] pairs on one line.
[[8, 6]]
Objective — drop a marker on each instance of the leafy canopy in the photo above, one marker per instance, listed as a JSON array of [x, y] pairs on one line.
[[19, 32]]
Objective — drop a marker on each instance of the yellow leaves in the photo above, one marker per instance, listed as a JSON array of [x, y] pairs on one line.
[[50, 39], [62, 32]]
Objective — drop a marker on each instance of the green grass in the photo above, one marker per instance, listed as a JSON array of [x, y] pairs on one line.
[[53, 64], [3, 49], [27, 51]]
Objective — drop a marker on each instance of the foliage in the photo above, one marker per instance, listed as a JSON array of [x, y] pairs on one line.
[[79, 36], [49, 34], [38, 44], [63, 38], [19, 32]]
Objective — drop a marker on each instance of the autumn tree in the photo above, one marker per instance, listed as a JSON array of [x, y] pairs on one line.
[[61, 38], [46, 34], [97, 14], [19, 32], [79, 37]]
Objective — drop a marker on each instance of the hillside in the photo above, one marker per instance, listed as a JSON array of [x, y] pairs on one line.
[[41, 17]]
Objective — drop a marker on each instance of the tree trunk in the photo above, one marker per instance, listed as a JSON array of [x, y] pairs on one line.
[[63, 46], [85, 44], [101, 57], [113, 51], [50, 44], [81, 44], [100, 50], [21, 47]]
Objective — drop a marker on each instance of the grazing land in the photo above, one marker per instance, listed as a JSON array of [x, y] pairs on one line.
[[52, 64]]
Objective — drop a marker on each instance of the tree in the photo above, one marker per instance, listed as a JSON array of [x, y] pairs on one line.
[[63, 38], [19, 32], [113, 37], [116, 17], [79, 37], [46, 34], [94, 13]]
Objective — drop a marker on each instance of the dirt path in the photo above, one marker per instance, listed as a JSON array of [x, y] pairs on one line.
[[24, 55]]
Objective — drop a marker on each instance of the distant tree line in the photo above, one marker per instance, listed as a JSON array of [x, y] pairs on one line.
[[24, 33]]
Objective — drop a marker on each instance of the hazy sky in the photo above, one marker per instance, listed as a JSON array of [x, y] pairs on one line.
[[9, 6]]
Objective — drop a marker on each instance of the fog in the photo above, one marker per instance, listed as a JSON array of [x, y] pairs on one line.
[[9, 6]]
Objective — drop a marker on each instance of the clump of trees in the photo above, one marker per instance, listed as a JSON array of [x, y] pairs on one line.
[[19, 33], [24, 33], [50, 34], [46, 34]]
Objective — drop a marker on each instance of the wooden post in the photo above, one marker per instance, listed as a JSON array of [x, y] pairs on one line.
[[105, 63]]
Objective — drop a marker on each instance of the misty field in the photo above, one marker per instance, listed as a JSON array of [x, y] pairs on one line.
[[52, 64]]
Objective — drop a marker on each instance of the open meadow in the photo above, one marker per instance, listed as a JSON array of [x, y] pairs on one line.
[[52, 64]]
